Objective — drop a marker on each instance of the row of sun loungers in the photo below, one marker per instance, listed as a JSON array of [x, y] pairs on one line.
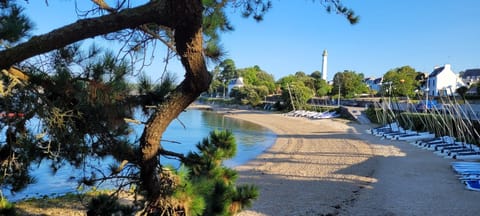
[[446, 146], [313, 114], [468, 173]]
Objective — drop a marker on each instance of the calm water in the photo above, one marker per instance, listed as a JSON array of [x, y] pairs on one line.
[[190, 128]]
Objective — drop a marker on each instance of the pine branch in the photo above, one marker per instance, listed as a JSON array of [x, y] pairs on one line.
[[152, 12]]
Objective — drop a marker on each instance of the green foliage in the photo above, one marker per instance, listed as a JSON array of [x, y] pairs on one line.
[[403, 81], [255, 8], [316, 75], [284, 81], [350, 84], [188, 194], [14, 24], [255, 76], [322, 87], [210, 180], [153, 94], [302, 88], [258, 82], [372, 115], [245, 194], [340, 9], [216, 86], [228, 71], [378, 115], [6, 207], [296, 95], [252, 95], [80, 107]]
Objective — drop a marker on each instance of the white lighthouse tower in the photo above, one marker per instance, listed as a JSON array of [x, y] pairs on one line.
[[324, 65]]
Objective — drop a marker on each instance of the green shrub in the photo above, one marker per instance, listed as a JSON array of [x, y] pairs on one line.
[[6, 207]]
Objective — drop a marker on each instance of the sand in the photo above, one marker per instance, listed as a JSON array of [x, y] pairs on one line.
[[333, 167]]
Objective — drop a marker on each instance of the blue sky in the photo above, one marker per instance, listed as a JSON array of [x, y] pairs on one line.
[[419, 33]]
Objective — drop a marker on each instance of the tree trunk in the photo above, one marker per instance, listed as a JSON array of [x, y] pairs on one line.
[[185, 18], [189, 45]]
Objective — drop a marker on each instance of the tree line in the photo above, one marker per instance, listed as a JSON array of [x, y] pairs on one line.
[[299, 87]]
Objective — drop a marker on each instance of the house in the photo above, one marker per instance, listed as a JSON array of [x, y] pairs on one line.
[[374, 83], [368, 81], [443, 81], [235, 83], [471, 76], [377, 84]]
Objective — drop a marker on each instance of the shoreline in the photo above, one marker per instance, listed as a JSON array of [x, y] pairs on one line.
[[333, 167]]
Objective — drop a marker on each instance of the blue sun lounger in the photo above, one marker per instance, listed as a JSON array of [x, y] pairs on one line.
[[473, 185]]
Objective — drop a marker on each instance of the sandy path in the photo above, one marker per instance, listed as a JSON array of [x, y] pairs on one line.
[[331, 167]]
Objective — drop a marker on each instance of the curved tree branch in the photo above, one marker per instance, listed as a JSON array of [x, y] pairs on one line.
[[184, 17], [152, 12]]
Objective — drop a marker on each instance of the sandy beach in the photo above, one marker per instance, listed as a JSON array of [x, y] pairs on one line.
[[333, 167]]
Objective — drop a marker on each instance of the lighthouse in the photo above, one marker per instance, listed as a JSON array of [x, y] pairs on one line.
[[324, 65]]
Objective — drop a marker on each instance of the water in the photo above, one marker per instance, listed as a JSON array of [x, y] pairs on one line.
[[190, 128]]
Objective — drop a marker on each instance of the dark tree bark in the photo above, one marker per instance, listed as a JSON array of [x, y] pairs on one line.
[[185, 18], [188, 40], [152, 12]]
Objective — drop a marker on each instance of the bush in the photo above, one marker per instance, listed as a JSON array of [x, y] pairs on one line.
[[249, 95], [371, 113], [6, 207], [210, 179]]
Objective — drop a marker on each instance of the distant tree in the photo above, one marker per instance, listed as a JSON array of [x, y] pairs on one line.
[[403, 81], [252, 95], [216, 85], [308, 81], [316, 75], [421, 79], [284, 81], [255, 76], [349, 83], [228, 71], [322, 87], [300, 74], [294, 92]]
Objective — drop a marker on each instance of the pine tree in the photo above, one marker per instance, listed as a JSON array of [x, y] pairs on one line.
[[81, 99]]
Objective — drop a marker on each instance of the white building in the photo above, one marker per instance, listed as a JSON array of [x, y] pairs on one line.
[[443, 81], [374, 84], [471, 76], [235, 83]]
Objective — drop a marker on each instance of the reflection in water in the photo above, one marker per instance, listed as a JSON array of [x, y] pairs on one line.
[[191, 127]]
